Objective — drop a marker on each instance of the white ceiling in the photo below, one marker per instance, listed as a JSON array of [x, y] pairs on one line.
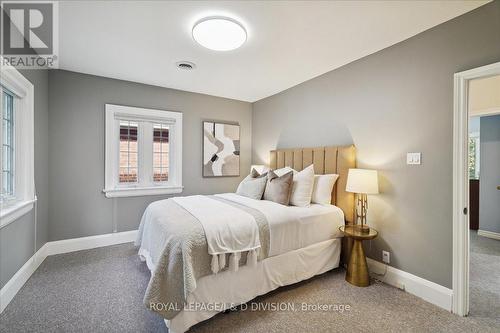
[[289, 42]]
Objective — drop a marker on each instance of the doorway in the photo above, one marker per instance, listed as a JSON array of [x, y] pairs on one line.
[[467, 184], [484, 198]]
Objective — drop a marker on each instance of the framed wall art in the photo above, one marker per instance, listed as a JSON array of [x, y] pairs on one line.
[[221, 149]]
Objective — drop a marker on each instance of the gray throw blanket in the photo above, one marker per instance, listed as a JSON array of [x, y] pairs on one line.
[[174, 244]]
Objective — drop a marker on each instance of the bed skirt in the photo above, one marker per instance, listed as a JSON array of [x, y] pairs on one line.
[[228, 288]]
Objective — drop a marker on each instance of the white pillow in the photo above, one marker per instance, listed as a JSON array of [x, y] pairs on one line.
[[240, 186], [252, 187], [302, 188], [282, 171], [323, 187]]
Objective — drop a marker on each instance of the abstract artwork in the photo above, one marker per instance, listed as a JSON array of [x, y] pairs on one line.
[[221, 149]]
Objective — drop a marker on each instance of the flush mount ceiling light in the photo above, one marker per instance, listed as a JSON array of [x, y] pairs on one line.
[[219, 33]]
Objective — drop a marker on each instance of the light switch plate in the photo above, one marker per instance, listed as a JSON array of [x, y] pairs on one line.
[[414, 158]]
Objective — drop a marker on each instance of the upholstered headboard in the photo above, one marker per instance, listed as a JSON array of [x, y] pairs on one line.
[[326, 160]]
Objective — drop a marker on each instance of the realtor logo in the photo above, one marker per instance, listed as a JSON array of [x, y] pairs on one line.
[[29, 33]]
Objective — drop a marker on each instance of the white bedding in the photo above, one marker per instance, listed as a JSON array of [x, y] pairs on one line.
[[293, 227], [228, 230], [271, 273], [302, 243]]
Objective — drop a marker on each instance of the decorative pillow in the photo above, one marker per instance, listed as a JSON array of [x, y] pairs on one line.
[[303, 183], [255, 174], [323, 187], [282, 171], [278, 189], [253, 185]]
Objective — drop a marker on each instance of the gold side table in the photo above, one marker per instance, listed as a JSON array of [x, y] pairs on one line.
[[357, 269]]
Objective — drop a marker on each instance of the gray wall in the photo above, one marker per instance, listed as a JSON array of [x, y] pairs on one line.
[[77, 205], [395, 101], [17, 239], [489, 176]]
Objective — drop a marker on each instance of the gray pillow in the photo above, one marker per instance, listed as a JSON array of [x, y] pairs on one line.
[[253, 185], [278, 189]]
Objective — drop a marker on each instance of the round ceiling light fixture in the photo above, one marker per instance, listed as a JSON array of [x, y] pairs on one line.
[[219, 33]]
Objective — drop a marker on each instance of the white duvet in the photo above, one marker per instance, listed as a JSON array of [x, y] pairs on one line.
[[291, 227], [228, 230]]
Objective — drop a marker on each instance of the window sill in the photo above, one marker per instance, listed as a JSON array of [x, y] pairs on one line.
[[141, 191], [13, 212]]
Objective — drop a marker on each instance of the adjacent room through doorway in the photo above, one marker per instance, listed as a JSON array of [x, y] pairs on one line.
[[484, 197]]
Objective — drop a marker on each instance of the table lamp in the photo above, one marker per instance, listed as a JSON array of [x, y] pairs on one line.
[[362, 182]]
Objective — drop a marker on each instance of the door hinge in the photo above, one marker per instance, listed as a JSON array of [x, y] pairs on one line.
[[465, 211]]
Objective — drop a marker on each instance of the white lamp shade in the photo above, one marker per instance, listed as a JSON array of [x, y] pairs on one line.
[[362, 181]]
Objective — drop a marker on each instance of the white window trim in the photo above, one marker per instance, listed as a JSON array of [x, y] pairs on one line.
[[112, 188], [14, 81]]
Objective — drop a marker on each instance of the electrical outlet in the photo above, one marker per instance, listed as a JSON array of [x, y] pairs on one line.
[[386, 257]]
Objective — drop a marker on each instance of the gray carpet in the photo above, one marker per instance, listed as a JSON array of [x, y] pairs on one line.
[[484, 278], [101, 290]]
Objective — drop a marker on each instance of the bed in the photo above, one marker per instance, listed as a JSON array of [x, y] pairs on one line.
[[297, 243]]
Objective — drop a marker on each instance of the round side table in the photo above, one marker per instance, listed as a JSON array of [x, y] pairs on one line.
[[357, 269]]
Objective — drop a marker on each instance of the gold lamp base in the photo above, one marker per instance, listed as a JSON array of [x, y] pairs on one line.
[[362, 228], [360, 213]]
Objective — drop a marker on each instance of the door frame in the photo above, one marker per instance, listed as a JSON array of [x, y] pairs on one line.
[[460, 304]]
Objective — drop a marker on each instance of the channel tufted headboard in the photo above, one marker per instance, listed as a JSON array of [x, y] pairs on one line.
[[326, 160]]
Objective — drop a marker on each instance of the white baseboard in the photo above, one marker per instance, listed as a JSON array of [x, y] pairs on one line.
[[91, 242], [489, 234], [425, 289], [16, 282]]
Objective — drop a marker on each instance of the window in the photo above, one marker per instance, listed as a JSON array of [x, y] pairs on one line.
[[160, 153], [17, 182], [143, 151], [128, 151], [474, 151], [7, 145]]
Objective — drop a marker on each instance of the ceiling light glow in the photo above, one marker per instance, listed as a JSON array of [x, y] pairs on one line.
[[219, 33]]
